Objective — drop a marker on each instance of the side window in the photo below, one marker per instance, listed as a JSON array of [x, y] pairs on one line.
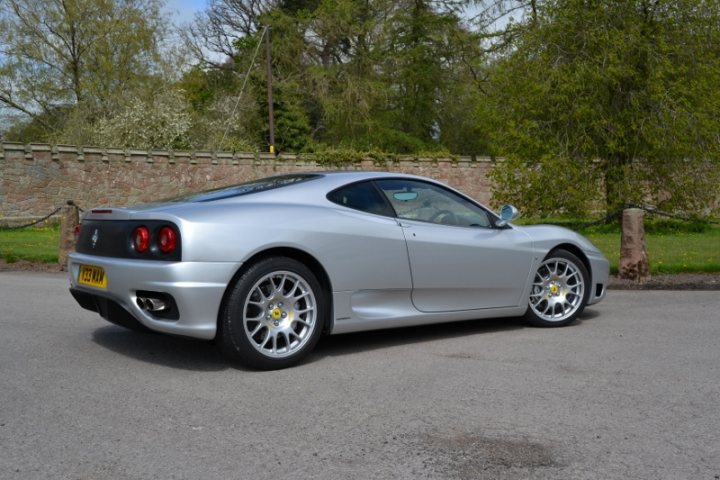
[[427, 202], [361, 196]]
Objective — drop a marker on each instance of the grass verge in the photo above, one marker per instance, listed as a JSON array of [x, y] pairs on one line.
[[30, 244], [676, 253]]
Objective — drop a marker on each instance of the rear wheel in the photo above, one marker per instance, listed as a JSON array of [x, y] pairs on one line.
[[559, 292], [273, 316]]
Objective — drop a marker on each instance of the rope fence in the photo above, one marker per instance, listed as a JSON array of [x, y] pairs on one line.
[[617, 215], [654, 211], [32, 224], [46, 217]]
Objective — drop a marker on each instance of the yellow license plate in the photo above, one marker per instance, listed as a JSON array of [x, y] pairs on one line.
[[92, 276]]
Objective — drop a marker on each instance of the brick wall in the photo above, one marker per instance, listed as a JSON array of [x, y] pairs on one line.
[[35, 179]]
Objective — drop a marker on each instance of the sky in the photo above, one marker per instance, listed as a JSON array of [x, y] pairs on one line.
[[182, 11]]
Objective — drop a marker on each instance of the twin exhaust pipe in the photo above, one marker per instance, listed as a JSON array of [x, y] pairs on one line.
[[159, 305], [152, 304]]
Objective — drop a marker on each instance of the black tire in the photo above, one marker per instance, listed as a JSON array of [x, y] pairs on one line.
[[273, 315], [560, 291]]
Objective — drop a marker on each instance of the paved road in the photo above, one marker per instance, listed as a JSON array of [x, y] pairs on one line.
[[630, 392]]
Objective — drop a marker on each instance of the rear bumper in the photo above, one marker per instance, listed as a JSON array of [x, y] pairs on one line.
[[108, 309], [197, 289]]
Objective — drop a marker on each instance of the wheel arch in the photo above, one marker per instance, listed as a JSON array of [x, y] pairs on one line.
[[575, 250], [296, 254]]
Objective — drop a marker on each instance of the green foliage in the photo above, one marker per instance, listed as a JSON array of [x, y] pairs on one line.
[[550, 185], [388, 75], [413, 58], [655, 225], [339, 157], [221, 119], [364, 75], [346, 156], [200, 87], [671, 227], [627, 86], [292, 127], [27, 130], [390, 140], [86, 55]]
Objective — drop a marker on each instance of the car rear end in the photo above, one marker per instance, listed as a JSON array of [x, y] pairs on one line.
[[129, 268]]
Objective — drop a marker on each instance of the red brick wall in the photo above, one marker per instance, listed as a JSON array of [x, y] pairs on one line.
[[35, 179]]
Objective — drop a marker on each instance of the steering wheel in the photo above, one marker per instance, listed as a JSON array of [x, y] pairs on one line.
[[446, 215]]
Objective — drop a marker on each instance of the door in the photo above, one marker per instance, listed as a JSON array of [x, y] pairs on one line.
[[458, 259]]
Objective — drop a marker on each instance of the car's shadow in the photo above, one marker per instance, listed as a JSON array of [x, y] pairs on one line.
[[166, 350], [378, 339], [197, 355], [350, 343]]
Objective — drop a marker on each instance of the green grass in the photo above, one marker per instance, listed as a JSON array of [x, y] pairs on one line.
[[672, 246], [31, 244], [669, 253]]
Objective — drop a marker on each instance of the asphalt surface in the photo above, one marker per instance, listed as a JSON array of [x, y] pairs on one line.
[[632, 391]]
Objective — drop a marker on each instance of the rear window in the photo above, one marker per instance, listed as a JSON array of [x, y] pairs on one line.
[[246, 188]]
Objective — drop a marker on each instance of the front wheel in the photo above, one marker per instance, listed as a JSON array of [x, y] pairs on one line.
[[273, 316], [560, 290]]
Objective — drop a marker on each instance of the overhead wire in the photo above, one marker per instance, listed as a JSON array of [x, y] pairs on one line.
[[245, 80]]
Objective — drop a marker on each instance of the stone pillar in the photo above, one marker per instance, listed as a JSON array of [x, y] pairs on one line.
[[634, 263], [69, 219]]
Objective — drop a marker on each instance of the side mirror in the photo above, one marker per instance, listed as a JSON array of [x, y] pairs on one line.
[[508, 213]]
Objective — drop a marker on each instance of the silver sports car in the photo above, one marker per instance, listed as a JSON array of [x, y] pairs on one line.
[[267, 267]]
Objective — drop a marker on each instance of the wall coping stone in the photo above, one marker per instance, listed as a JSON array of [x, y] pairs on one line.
[[195, 156]]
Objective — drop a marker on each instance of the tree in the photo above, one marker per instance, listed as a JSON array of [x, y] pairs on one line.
[[162, 121], [396, 75], [60, 55], [215, 33], [367, 74], [620, 96]]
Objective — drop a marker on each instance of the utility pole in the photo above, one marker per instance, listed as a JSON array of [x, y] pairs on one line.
[[271, 114]]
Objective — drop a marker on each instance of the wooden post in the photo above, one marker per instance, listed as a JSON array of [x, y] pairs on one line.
[[634, 263], [69, 219], [271, 113]]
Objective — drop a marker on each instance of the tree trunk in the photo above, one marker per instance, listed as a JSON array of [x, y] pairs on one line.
[[614, 178]]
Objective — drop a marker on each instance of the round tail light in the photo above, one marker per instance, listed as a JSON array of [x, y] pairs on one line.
[[141, 239], [167, 240]]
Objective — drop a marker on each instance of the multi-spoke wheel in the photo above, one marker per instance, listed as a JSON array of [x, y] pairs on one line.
[[560, 290], [274, 314]]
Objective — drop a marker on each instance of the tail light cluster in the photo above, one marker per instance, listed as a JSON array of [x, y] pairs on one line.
[[163, 240]]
